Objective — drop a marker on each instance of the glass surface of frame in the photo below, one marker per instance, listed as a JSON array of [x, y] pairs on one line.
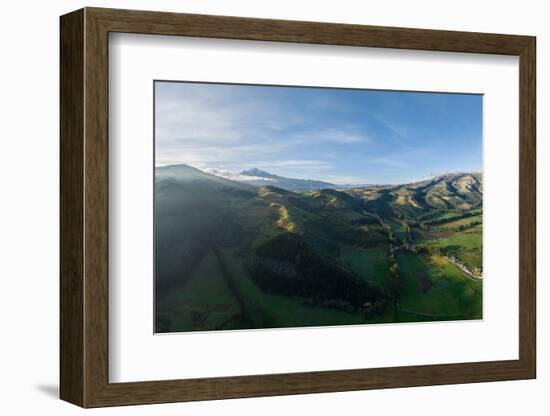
[[281, 206]]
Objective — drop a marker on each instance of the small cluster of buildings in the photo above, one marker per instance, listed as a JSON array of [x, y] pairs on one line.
[[476, 273]]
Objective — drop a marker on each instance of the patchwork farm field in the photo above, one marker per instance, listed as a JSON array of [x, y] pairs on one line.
[[465, 244]]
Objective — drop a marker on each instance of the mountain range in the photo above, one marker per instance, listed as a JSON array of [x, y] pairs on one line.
[[448, 191], [322, 249], [260, 177]]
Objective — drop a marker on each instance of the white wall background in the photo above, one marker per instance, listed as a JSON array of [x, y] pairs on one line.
[[29, 207]]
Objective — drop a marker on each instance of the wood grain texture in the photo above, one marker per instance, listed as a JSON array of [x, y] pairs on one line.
[[225, 27], [96, 220], [71, 208], [84, 207], [527, 208]]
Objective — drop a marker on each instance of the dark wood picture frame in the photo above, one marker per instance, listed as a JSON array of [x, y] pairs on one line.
[[84, 207]]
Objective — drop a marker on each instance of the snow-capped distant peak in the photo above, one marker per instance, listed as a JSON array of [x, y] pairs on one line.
[[241, 177], [258, 173]]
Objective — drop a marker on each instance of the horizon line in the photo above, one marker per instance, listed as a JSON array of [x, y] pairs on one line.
[[431, 176]]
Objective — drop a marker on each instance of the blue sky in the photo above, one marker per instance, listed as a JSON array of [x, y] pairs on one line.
[[341, 136]]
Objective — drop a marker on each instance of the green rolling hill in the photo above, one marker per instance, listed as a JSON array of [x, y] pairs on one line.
[[235, 255]]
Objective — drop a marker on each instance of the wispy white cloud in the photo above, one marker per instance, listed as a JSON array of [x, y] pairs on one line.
[[400, 160], [305, 163], [398, 133], [196, 126], [345, 134]]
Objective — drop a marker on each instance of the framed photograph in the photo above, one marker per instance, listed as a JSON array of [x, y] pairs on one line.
[[255, 207]]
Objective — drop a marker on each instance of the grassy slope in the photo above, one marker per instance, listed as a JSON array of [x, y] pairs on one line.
[[204, 302], [452, 294], [466, 245], [464, 221], [369, 263]]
